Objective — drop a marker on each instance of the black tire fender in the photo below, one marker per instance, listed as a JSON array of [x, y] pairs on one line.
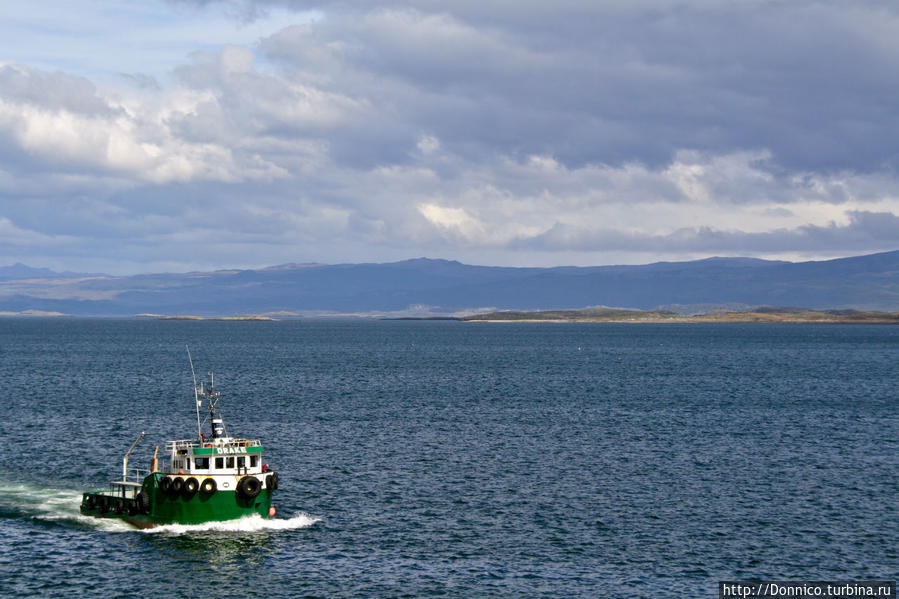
[[142, 502], [208, 487], [249, 487], [191, 486], [165, 484], [177, 485]]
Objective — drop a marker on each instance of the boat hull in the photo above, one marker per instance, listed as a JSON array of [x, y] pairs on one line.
[[161, 507]]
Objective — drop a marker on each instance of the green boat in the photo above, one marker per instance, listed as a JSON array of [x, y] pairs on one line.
[[206, 479]]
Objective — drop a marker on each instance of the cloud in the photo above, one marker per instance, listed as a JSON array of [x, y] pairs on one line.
[[12, 234], [865, 231], [611, 83], [501, 132], [455, 220], [75, 130], [51, 91]]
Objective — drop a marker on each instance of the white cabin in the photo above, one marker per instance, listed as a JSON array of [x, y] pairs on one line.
[[221, 456]]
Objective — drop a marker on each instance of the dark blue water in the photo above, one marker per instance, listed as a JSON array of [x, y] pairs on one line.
[[427, 459]]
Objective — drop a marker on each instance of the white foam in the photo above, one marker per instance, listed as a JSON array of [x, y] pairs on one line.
[[55, 505], [59, 505], [254, 523]]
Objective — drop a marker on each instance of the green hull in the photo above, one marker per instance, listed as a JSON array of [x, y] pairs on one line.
[[180, 508]]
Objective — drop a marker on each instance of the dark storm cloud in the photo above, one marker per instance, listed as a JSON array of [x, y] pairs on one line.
[[813, 82]]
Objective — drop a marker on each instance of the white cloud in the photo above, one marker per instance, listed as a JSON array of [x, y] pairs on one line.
[[456, 220], [428, 144], [127, 139]]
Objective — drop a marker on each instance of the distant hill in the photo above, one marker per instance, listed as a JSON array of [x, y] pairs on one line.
[[424, 286]]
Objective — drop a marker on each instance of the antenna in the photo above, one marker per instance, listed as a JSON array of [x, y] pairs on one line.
[[196, 396]]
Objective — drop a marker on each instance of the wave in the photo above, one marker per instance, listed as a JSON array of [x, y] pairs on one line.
[[50, 504], [254, 523]]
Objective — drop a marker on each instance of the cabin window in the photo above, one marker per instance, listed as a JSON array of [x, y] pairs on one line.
[[219, 463], [201, 463], [254, 461], [187, 463], [241, 463], [230, 462]]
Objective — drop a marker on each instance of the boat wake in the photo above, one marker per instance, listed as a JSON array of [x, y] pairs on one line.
[[47, 504], [253, 523]]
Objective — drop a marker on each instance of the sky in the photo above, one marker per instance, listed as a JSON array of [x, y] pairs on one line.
[[177, 135]]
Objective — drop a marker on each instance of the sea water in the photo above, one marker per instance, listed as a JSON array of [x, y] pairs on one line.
[[449, 459]]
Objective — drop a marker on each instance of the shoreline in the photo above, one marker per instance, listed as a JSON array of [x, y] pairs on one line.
[[672, 321], [759, 316], [188, 317]]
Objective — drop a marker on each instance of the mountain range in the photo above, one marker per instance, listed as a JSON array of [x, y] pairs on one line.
[[427, 286]]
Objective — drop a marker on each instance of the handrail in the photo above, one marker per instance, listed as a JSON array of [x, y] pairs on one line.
[[136, 475], [190, 443]]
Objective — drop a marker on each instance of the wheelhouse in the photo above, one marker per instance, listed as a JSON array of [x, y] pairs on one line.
[[220, 456]]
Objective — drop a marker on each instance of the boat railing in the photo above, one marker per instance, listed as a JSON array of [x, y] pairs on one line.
[[184, 444], [130, 485], [135, 476]]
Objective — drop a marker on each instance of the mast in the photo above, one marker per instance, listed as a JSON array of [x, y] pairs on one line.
[[196, 395], [212, 396]]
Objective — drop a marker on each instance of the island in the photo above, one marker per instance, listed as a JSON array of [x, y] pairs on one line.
[[191, 317]]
